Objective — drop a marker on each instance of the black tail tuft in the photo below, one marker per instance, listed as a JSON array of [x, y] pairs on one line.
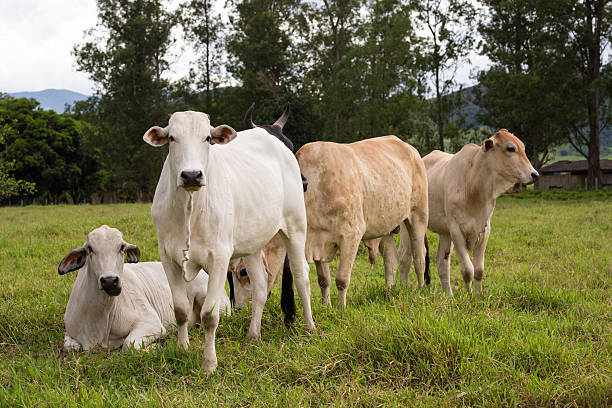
[[427, 277], [230, 280], [287, 298]]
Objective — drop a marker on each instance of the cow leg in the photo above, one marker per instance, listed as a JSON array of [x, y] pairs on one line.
[[348, 252], [295, 242], [465, 264], [144, 334], [178, 287], [417, 227], [210, 310], [257, 276], [324, 281], [445, 248], [405, 254], [479, 254], [389, 253]]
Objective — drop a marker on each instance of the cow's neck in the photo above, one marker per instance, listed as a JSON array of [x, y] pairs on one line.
[[484, 184], [89, 312]]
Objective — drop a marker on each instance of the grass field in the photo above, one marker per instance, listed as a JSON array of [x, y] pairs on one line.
[[540, 335]]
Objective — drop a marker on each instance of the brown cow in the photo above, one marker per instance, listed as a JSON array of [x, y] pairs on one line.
[[462, 192], [361, 190]]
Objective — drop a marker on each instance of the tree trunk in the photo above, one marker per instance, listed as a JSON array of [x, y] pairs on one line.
[[594, 20]]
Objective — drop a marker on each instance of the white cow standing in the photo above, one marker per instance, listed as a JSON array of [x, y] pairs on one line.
[[112, 304], [223, 201]]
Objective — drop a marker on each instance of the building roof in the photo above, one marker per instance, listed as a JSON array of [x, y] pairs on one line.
[[574, 167]]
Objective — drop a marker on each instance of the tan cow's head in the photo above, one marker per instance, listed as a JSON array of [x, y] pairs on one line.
[[103, 252], [506, 155], [190, 135], [242, 283]]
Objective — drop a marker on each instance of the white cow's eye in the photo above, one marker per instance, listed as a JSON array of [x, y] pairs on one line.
[[171, 138], [122, 248], [511, 149], [89, 249]]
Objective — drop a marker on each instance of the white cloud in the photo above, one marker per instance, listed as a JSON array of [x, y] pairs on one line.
[[36, 40]]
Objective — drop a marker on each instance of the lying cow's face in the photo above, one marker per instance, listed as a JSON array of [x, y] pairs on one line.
[[103, 252], [508, 159], [190, 135]]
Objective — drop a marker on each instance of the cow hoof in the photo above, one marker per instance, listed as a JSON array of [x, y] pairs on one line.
[[210, 366], [183, 345], [253, 336]]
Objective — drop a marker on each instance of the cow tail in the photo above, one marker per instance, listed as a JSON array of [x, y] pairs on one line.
[[287, 297], [230, 281], [427, 277]]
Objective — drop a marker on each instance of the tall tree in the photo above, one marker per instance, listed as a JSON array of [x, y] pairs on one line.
[[448, 39], [586, 25], [260, 48], [522, 88], [204, 29], [385, 70], [126, 56], [335, 25]]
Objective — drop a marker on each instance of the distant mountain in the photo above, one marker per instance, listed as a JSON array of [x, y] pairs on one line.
[[54, 99]]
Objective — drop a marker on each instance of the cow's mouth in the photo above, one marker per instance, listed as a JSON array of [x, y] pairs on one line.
[[191, 186], [113, 292]]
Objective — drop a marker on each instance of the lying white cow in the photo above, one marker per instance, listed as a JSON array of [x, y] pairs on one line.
[[223, 201], [462, 192], [113, 305]]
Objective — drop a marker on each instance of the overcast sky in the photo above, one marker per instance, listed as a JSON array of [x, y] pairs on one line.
[[37, 37]]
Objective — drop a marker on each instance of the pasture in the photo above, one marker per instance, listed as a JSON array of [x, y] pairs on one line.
[[541, 335]]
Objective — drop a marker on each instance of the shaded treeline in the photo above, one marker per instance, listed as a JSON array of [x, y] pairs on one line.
[[351, 69]]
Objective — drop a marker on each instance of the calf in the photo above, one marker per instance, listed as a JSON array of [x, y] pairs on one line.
[[114, 305], [463, 188]]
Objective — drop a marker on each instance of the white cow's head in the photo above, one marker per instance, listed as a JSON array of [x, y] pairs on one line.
[[103, 252], [507, 158], [190, 135]]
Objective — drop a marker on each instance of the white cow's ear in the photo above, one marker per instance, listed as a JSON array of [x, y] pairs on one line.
[[132, 253], [223, 134], [73, 261], [487, 145], [156, 136]]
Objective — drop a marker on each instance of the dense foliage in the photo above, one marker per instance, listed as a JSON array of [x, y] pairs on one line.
[[45, 155], [351, 69]]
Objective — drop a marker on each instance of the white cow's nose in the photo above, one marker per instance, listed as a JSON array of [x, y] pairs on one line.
[[191, 178]]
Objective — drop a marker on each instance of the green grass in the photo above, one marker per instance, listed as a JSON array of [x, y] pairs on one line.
[[539, 336]]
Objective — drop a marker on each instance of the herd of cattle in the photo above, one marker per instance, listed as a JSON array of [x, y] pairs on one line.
[[243, 207]]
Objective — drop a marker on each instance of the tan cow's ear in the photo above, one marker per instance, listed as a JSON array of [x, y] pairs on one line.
[[132, 253], [156, 136], [223, 134], [74, 260], [487, 145]]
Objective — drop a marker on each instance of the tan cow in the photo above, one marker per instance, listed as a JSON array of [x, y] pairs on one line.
[[462, 192], [362, 190]]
